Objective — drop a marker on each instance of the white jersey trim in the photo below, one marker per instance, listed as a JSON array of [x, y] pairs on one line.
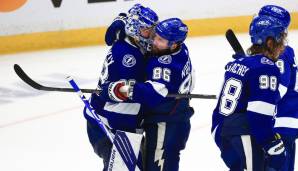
[[261, 107], [123, 108], [214, 132], [159, 88], [286, 122], [282, 90], [247, 147]]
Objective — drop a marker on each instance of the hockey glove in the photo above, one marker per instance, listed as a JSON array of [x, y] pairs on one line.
[[114, 91], [238, 55], [276, 153], [116, 31]]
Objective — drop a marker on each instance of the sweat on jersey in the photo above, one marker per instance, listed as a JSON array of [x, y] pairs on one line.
[[172, 73], [286, 121], [248, 99], [123, 62]]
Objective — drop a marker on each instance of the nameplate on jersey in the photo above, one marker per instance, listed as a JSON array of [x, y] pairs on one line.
[[237, 69], [165, 59], [129, 61]]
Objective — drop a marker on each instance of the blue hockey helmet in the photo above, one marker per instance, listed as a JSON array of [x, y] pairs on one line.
[[173, 30], [277, 12], [263, 27], [140, 17]]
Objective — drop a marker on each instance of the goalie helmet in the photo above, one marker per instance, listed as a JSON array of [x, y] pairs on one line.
[[277, 12], [263, 27], [173, 30], [140, 17]]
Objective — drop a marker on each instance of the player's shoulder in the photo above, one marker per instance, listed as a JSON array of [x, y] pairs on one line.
[[261, 64], [289, 50], [258, 61], [125, 52], [124, 46], [288, 55], [182, 53]]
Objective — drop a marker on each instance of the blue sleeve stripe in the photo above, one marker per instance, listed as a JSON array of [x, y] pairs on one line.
[[282, 90], [159, 88], [261, 107], [123, 108], [286, 122]]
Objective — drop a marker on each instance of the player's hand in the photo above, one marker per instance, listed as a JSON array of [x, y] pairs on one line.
[[237, 56], [114, 91], [276, 153], [116, 31]]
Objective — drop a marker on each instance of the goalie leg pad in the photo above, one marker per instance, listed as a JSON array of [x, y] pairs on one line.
[[125, 159], [101, 144]]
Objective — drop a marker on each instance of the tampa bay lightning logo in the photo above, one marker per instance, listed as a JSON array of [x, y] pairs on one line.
[[166, 59], [129, 60], [266, 61]]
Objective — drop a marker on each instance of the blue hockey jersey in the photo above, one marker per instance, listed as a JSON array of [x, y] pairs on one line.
[[123, 62], [287, 110], [166, 74], [248, 99]]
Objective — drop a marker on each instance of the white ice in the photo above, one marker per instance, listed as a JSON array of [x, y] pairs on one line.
[[47, 131]]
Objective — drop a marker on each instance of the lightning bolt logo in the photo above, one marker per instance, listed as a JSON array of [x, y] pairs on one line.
[[159, 145], [158, 157]]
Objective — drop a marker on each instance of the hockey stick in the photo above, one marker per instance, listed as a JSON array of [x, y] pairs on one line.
[[120, 140], [21, 73], [232, 39]]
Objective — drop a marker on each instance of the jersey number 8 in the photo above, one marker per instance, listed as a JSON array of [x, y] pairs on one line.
[[230, 95]]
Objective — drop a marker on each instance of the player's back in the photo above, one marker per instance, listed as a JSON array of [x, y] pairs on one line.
[[124, 62], [287, 109], [250, 91]]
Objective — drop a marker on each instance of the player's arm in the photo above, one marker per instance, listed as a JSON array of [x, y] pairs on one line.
[[151, 92], [116, 31], [155, 89], [285, 65]]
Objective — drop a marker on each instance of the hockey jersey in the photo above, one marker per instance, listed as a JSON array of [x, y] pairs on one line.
[[123, 62], [248, 99], [287, 110], [171, 73]]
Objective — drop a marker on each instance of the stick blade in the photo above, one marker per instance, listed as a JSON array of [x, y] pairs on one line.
[[20, 72]]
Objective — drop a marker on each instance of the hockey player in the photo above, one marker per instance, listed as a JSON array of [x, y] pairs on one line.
[[286, 122], [242, 121], [167, 120], [125, 62]]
